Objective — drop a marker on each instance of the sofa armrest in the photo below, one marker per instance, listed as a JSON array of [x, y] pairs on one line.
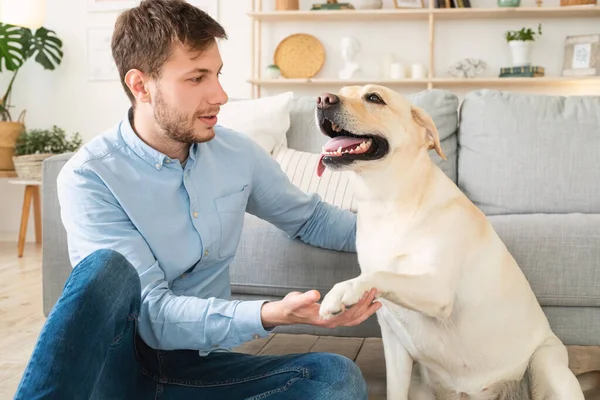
[[55, 257]]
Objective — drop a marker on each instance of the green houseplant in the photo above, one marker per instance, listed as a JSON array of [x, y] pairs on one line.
[[33, 146], [17, 46], [520, 45]]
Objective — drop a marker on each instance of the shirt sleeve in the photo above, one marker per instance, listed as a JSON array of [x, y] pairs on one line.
[[301, 215], [94, 220]]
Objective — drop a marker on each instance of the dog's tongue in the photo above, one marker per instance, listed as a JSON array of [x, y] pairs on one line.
[[334, 145], [343, 142], [320, 166]]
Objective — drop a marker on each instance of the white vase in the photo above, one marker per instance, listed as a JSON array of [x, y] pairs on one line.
[[521, 52]]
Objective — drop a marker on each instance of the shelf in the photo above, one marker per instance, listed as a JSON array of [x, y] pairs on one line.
[[582, 11], [434, 81], [285, 81], [8, 174], [341, 15]]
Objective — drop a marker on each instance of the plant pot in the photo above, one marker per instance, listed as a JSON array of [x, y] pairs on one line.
[[521, 52], [9, 132], [509, 3], [29, 166]]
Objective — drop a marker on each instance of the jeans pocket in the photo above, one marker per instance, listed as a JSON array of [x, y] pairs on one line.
[[231, 209]]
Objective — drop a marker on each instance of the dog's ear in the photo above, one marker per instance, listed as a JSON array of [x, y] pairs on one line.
[[432, 136]]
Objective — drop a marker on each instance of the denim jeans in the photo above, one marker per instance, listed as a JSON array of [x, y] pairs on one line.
[[89, 349]]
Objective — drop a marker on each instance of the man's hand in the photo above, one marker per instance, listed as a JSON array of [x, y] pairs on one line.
[[302, 308]]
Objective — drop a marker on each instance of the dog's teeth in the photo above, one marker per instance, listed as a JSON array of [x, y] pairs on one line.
[[323, 150], [339, 150]]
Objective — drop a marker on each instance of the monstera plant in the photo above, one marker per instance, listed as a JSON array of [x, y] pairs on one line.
[[17, 46]]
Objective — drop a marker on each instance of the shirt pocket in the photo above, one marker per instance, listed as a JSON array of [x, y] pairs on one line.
[[231, 209]]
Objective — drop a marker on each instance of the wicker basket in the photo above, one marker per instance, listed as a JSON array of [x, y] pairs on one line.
[[9, 132], [577, 2], [29, 166], [287, 5]]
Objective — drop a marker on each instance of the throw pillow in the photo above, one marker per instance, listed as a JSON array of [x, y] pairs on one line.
[[334, 187], [265, 120]]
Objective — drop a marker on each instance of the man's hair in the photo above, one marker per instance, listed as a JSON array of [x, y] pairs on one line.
[[144, 36]]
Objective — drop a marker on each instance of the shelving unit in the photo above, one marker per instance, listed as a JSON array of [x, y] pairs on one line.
[[429, 14]]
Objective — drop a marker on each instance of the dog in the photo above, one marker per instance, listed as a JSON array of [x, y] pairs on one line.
[[458, 319]]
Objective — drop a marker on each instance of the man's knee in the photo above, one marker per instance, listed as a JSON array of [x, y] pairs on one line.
[[107, 276], [344, 378]]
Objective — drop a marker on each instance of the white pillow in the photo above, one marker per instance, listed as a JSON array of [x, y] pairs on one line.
[[334, 187], [265, 120]]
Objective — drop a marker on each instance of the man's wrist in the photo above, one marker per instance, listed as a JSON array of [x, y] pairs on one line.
[[271, 315]]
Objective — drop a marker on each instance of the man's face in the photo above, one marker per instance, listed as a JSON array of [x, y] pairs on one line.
[[187, 96]]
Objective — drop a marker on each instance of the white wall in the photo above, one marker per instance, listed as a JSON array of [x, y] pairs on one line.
[[66, 98]]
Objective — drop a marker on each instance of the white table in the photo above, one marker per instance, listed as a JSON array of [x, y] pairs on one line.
[[32, 192]]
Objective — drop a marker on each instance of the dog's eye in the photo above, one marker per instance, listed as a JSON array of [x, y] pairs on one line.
[[375, 98]]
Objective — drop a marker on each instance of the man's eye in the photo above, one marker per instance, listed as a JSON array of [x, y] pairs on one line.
[[196, 79]]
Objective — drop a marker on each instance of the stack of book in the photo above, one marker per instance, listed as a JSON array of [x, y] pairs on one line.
[[531, 71]]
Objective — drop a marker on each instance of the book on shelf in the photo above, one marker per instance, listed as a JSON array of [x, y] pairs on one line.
[[531, 71], [452, 3]]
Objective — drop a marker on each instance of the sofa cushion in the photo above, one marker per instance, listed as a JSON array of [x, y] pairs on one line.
[[334, 187], [558, 253], [525, 153], [265, 120], [442, 105]]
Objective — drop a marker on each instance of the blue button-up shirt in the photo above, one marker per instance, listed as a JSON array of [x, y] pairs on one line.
[[180, 227]]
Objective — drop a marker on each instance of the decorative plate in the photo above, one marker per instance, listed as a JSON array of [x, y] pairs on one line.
[[299, 56]]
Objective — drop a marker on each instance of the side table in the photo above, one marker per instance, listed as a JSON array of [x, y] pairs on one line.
[[32, 192]]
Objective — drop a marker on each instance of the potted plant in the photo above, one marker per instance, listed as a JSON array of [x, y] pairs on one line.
[[520, 45], [34, 146], [17, 46]]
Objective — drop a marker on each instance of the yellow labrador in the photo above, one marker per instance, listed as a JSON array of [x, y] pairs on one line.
[[455, 302]]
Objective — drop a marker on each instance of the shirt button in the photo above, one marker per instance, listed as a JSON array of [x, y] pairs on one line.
[[157, 166], [256, 336], [205, 252], [195, 214]]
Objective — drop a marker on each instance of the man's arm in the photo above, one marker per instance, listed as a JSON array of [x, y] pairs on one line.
[[305, 216], [94, 220]]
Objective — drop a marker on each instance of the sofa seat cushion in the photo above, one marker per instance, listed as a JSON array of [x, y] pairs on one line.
[[527, 153], [267, 262], [558, 253]]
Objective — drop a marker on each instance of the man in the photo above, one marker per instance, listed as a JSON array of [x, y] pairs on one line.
[[153, 211]]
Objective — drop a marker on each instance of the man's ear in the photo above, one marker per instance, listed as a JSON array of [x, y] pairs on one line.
[[136, 82], [432, 136]]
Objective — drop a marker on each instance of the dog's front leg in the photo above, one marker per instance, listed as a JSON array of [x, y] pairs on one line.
[[398, 362], [428, 293]]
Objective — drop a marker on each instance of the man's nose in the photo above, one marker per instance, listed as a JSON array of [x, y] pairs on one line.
[[326, 100]]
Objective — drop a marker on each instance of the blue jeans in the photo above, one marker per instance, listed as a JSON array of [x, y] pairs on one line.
[[89, 349]]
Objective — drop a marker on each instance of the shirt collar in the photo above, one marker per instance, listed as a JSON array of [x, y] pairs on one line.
[[147, 153]]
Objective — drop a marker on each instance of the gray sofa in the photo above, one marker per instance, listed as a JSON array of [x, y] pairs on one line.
[[530, 162]]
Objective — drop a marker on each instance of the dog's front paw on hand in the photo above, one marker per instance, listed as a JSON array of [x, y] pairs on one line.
[[343, 295]]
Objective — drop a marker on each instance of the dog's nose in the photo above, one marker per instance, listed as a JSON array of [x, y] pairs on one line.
[[326, 100]]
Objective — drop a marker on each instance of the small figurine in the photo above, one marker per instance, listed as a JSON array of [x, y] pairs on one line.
[[467, 68], [350, 48]]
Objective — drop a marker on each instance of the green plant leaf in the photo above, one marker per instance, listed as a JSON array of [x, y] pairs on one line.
[[46, 47], [11, 47]]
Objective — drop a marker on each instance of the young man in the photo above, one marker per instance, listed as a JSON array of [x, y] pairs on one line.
[[153, 211]]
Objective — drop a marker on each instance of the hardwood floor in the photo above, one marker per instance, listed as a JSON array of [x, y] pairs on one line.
[[21, 319]]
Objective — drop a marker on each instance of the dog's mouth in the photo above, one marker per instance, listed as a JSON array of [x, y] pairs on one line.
[[345, 147]]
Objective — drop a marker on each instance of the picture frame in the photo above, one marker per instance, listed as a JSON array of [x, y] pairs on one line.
[[409, 4], [110, 5], [582, 55]]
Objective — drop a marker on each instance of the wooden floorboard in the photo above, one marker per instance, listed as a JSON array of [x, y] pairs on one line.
[[21, 319]]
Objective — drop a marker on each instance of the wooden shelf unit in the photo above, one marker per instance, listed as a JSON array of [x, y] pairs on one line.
[[429, 14], [8, 174]]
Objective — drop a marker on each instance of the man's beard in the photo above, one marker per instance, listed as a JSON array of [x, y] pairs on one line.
[[174, 124]]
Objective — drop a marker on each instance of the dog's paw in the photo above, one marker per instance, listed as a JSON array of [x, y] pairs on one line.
[[343, 295]]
